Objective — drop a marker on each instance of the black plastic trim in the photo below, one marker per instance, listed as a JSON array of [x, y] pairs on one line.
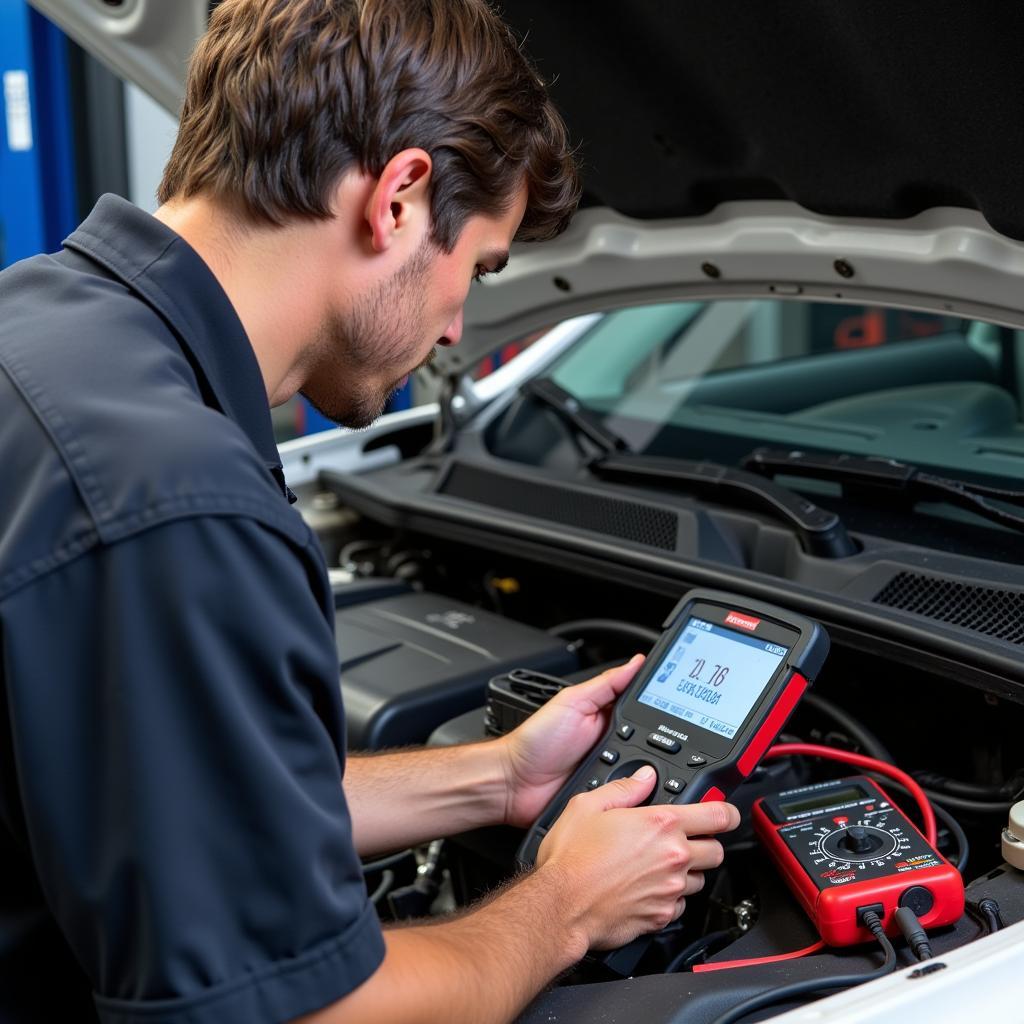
[[968, 658]]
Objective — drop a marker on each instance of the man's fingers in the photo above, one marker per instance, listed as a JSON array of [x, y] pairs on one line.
[[680, 907], [705, 854], [694, 883], [602, 690], [708, 819]]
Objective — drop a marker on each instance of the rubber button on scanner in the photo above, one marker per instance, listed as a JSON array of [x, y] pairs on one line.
[[696, 760], [625, 731], [626, 768], [674, 785], [593, 783], [663, 742], [609, 756]]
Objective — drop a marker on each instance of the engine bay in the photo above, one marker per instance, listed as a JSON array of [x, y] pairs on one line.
[[956, 736]]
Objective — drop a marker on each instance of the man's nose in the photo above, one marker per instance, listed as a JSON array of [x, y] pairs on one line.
[[453, 333]]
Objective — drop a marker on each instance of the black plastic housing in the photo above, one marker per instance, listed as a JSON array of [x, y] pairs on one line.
[[723, 763], [410, 663]]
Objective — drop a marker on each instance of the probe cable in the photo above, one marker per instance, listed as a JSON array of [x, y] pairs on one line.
[[914, 933], [812, 986], [866, 764], [955, 830], [987, 911], [724, 965]]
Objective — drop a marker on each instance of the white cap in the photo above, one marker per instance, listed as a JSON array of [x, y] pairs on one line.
[[1013, 837]]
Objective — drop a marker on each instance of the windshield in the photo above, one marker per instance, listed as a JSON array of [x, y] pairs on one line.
[[712, 380]]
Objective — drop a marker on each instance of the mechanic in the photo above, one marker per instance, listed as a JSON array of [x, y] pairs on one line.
[[180, 831]]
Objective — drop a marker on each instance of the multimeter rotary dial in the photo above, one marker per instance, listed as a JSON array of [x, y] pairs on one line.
[[859, 843]]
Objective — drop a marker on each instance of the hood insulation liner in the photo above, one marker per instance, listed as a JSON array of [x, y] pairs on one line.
[[863, 109]]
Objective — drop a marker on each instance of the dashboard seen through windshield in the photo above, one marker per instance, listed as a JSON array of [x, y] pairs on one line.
[[712, 380]]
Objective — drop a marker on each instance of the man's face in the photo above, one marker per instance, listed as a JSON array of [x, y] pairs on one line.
[[362, 356]]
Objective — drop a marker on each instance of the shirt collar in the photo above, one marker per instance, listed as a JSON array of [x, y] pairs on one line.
[[161, 267]]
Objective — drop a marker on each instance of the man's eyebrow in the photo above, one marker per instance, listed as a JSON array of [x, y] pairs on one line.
[[495, 261]]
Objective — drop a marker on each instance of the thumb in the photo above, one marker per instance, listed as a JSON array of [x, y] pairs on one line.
[[630, 791]]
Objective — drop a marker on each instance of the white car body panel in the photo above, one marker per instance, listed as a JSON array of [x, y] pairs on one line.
[[980, 982]]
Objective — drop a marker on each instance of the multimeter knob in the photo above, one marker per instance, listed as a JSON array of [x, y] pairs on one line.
[[859, 840]]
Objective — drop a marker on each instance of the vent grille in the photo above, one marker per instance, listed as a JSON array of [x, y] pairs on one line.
[[996, 613], [627, 520]]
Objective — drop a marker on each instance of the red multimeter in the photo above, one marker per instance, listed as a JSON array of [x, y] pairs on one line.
[[706, 705], [844, 846]]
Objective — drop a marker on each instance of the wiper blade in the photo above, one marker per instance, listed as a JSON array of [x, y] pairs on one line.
[[895, 481], [821, 532]]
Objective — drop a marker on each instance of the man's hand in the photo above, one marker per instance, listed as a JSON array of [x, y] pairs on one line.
[[627, 870], [541, 754], [405, 797]]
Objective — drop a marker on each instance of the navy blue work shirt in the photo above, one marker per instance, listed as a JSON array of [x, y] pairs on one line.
[[175, 845]]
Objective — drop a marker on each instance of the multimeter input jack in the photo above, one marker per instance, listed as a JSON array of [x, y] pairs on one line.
[[917, 899]]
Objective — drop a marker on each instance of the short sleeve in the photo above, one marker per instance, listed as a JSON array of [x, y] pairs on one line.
[[178, 735]]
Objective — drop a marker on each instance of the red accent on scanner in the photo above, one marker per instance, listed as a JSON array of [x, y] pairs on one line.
[[765, 736]]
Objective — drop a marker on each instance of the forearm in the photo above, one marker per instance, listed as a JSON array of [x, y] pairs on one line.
[[406, 797], [480, 968]]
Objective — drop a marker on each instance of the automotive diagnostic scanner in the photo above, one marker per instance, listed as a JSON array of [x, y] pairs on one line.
[[845, 847], [707, 703]]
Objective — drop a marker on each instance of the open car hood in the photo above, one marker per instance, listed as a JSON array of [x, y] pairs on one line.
[[815, 149]]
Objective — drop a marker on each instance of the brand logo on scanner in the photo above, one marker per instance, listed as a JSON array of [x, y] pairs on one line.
[[743, 621], [672, 732]]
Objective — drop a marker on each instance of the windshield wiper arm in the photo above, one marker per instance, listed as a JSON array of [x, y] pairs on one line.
[[821, 532], [561, 402], [897, 481]]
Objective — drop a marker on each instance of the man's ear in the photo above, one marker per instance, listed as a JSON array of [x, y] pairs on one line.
[[399, 202]]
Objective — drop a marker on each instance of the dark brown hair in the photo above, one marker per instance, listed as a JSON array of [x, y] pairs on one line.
[[284, 96]]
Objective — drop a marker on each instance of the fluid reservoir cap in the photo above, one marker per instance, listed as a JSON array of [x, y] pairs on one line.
[[1013, 837]]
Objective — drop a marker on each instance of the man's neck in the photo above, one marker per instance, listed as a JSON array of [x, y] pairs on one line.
[[272, 277]]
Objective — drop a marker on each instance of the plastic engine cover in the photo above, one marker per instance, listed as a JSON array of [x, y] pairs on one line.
[[411, 662]]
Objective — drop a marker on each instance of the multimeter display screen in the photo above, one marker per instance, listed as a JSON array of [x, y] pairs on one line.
[[712, 676], [818, 802]]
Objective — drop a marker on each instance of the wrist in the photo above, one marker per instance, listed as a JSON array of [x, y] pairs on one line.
[[523, 799], [484, 782], [506, 766], [569, 912]]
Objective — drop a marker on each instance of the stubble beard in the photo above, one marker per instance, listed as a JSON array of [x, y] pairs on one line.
[[376, 335]]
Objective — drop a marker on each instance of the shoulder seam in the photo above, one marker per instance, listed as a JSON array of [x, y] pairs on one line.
[[54, 426], [290, 525]]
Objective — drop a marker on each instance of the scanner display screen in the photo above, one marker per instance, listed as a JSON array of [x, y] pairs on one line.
[[712, 676]]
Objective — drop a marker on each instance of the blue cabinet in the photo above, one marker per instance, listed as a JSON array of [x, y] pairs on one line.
[[38, 205]]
